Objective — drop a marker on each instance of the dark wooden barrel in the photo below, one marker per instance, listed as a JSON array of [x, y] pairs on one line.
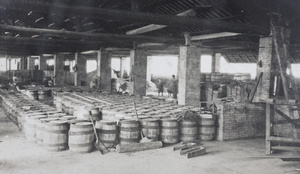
[[169, 131], [55, 135], [206, 127], [188, 130], [107, 132], [30, 126], [150, 128], [81, 137], [40, 129], [44, 94], [129, 131], [33, 94]]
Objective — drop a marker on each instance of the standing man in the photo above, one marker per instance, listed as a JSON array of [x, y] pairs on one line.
[[175, 86]]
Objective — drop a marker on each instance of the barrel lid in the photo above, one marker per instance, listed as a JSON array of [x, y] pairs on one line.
[[57, 122], [106, 121], [206, 115], [48, 119], [34, 114], [129, 120], [83, 123], [149, 120], [68, 117], [37, 117], [168, 119]]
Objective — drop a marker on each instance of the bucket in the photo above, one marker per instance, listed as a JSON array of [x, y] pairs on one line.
[[206, 127], [169, 131], [188, 130], [107, 132], [150, 128], [81, 137], [129, 131], [55, 135]]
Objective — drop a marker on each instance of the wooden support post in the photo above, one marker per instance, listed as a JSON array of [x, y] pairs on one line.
[[269, 117]]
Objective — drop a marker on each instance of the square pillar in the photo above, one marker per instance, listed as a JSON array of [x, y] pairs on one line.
[[23, 63], [104, 68], [265, 56], [42, 63], [215, 62], [189, 76], [80, 76], [58, 69], [30, 63], [138, 62]]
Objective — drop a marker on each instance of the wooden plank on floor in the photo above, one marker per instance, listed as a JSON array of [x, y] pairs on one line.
[[283, 139], [196, 152], [286, 148]]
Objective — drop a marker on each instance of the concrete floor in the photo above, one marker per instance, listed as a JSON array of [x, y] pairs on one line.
[[18, 156]]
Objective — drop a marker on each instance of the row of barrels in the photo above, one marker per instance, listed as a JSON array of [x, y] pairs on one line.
[[38, 94], [60, 133]]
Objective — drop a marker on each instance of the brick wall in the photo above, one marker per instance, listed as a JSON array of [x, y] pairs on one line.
[[240, 120]]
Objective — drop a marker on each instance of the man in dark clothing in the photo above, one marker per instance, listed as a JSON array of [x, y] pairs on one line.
[[174, 86]]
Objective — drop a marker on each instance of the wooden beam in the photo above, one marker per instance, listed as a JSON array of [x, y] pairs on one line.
[[89, 36], [290, 120], [137, 17], [214, 35], [153, 27]]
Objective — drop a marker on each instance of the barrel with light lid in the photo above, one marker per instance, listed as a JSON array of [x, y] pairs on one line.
[[40, 129], [107, 132], [188, 130], [129, 131], [30, 126], [55, 135], [169, 130], [81, 137], [150, 128]]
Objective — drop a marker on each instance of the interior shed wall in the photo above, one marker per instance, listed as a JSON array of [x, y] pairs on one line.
[[241, 120]]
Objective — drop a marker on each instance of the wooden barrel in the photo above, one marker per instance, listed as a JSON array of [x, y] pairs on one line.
[[81, 137], [44, 94], [55, 135], [108, 114], [95, 113], [84, 113], [169, 131], [129, 131], [188, 130], [30, 126], [33, 94], [40, 129], [107, 132], [150, 128], [206, 127]]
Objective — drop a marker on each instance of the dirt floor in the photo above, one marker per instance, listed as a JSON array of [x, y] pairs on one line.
[[19, 156]]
